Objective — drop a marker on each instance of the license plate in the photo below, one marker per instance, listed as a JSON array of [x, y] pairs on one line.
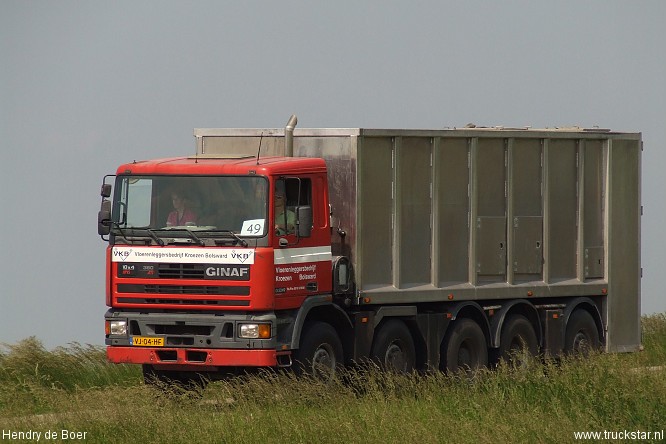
[[147, 341]]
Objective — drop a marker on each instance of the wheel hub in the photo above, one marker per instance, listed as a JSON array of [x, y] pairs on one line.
[[323, 361], [395, 358]]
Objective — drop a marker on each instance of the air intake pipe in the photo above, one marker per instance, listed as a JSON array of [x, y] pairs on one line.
[[289, 136]]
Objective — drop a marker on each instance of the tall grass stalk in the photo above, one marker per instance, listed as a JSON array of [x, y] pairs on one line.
[[75, 389]]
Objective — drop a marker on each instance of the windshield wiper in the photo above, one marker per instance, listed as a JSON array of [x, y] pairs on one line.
[[117, 225], [242, 241], [157, 239], [195, 237]]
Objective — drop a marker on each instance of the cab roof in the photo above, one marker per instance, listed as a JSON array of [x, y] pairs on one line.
[[217, 165]]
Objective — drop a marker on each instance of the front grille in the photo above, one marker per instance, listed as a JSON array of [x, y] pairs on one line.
[[182, 329], [194, 301], [231, 290], [180, 271]]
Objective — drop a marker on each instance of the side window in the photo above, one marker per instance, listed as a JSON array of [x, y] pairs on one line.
[[136, 202], [290, 193]]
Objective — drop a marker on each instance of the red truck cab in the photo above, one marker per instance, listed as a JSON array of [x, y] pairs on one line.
[[253, 240]]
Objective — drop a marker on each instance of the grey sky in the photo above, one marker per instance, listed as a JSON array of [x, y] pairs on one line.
[[88, 85]]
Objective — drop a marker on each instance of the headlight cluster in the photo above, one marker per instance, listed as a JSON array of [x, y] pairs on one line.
[[245, 331], [116, 328], [254, 331]]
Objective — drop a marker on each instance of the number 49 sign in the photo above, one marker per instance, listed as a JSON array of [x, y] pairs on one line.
[[254, 227]]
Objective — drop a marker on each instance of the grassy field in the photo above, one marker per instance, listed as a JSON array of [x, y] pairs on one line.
[[74, 389]]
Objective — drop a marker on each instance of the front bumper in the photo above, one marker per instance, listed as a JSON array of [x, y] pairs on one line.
[[188, 357], [192, 339]]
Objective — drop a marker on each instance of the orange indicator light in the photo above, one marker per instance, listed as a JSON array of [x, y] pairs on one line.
[[265, 331]]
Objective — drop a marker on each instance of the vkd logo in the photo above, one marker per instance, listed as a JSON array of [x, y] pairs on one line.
[[122, 255], [242, 257]]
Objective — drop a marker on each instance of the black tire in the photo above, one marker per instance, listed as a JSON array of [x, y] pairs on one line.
[[464, 348], [393, 347], [518, 341], [581, 335], [320, 353]]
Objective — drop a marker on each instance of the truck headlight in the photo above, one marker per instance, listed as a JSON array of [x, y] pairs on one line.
[[116, 328], [254, 331]]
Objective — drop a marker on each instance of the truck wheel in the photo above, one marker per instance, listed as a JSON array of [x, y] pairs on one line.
[[393, 347], [581, 335], [464, 348], [320, 352], [518, 341]]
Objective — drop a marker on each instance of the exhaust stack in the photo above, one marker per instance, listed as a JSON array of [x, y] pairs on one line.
[[289, 136]]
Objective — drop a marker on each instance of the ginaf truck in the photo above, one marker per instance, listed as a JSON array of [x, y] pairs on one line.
[[416, 249]]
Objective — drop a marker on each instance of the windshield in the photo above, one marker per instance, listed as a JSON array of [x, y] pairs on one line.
[[235, 204]]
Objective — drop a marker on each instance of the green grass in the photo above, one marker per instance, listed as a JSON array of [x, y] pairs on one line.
[[75, 389]]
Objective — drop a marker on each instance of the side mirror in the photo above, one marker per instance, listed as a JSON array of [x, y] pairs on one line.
[[304, 221], [104, 218], [106, 190]]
